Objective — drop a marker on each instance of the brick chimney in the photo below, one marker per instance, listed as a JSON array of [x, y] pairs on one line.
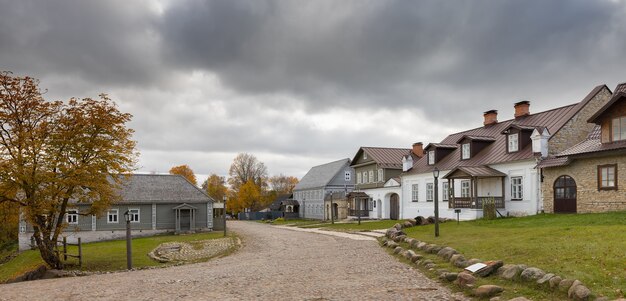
[[522, 109], [491, 117], [418, 149]]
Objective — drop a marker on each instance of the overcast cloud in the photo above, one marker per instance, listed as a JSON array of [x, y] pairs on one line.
[[301, 83]]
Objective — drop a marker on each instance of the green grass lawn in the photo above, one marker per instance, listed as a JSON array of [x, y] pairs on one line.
[[354, 226], [103, 256], [588, 247]]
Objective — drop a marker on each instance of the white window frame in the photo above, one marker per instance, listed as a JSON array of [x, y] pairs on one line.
[[415, 193], [430, 188], [371, 176], [446, 191], [117, 216], [365, 179], [358, 178], [347, 176], [517, 188], [431, 157], [465, 151], [381, 176], [364, 156], [71, 217], [135, 215], [465, 189], [607, 178], [513, 140]]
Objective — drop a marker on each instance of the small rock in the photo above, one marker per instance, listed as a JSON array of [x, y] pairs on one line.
[[465, 280], [420, 220], [433, 249], [450, 276], [554, 282], [446, 253], [474, 261], [565, 284], [492, 267], [407, 224], [392, 244], [532, 274], [412, 221], [422, 245], [519, 299], [398, 226], [427, 261], [430, 266], [399, 238], [486, 291], [544, 280], [431, 219], [495, 299], [512, 272], [456, 257], [414, 244], [582, 293], [416, 258], [397, 250], [409, 254], [409, 240]]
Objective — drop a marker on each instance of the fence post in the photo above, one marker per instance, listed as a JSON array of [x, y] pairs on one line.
[[80, 253], [64, 248]]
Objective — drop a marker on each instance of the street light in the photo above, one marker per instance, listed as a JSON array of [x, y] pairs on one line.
[[224, 215], [129, 257], [436, 175]]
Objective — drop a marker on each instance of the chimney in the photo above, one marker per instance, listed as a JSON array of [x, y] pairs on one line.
[[418, 149], [491, 117], [522, 109]]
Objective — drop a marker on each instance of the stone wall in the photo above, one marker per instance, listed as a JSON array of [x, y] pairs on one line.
[[577, 128], [585, 173]]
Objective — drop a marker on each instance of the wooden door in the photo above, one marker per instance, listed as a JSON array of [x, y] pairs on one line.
[[394, 207], [565, 195], [185, 220]]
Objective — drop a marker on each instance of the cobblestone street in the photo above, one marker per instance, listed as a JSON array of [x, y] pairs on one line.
[[273, 264]]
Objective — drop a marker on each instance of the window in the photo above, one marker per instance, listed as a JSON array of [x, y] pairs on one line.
[[517, 188], [365, 179], [446, 191], [113, 216], [607, 177], [364, 156], [429, 192], [465, 151], [134, 215], [513, 142], [370, 206], [465, 189], [371, 176], [358, 178], [431, 157], [619, 128], [72, 217], [414, 192], [347, 175], [380, 175]]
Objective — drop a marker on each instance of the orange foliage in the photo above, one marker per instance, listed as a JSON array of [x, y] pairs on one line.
[[185, 171]]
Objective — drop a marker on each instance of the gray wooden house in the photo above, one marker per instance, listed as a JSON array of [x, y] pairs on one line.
[[156, 204]]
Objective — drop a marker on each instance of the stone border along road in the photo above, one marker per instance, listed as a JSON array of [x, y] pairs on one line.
[[272, 264]]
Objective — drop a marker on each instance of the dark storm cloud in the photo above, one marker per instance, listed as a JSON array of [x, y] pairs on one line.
[[103, 42], [396, 53]]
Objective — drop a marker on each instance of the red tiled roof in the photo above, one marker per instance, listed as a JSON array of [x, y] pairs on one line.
[[496, 152], [387, 157]]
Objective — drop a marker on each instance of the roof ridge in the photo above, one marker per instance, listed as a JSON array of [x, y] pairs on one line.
[[382, 147]]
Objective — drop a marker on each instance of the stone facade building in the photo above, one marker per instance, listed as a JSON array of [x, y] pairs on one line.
[[585, 177]]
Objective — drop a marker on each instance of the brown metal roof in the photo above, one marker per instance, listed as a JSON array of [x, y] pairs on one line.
[[592, 144], [441, 145], [617, 96], [386, 157], [496, 152], [473, 171], [476, 138]]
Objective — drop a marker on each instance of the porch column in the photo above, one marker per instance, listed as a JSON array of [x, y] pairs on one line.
[[475, 191], [177, 226], [451, 186]]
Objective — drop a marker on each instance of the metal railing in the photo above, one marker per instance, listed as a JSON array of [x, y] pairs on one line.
[[474, 203], [359, 212]]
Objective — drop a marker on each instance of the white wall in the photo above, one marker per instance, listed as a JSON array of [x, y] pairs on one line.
[[384, 195], [529, 205]]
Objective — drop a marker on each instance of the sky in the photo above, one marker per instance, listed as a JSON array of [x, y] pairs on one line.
[[302, 83]]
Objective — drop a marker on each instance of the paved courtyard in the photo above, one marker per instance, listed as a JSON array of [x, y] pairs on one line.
[[273, 264]]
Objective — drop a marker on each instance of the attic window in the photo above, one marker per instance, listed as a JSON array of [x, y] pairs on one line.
[[513, 142], [348, 175], [364, 155], [619, 128], [431, 157], [465, 151]]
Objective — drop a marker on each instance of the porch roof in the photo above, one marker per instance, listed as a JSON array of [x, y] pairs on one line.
[[473, 171], [357, 194], [184, 206]]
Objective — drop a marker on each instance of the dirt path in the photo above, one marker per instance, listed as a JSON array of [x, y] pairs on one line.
[[274, 264]]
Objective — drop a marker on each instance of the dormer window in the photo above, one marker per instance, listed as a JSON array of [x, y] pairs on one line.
[[465, 151], [619, 128], [431, 157], [513, 142], [364, 156]]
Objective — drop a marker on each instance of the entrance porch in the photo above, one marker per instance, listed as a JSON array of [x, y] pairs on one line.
[[478, 184]]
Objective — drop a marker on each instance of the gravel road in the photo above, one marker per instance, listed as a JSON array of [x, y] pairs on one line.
[[273, 264]]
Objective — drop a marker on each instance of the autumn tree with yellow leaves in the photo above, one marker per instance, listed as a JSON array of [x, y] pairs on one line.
[[56, 154], [185, 171]]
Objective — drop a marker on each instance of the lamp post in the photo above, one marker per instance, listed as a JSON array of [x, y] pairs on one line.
[[129, 256], [224, 215], [436, 175]]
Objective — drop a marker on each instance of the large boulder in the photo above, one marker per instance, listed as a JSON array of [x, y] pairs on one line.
[[487, 291], [446, 253], [532, 274], [465, 279], [491, 268]]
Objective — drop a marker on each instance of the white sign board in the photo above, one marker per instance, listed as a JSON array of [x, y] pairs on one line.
[[476, 267]]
